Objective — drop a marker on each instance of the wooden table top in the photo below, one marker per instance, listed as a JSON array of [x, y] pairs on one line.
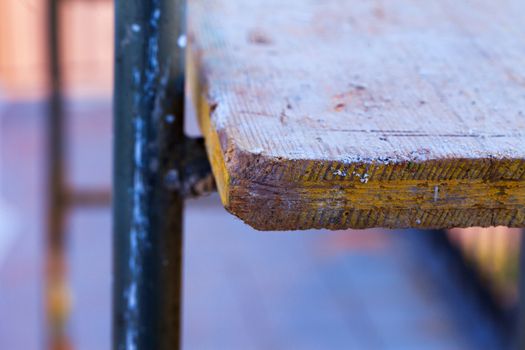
[[341, 114]]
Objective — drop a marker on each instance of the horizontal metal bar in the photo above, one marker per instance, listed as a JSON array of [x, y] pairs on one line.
[[88, 197]]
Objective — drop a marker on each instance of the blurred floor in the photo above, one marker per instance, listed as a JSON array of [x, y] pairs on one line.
[[243, 289]]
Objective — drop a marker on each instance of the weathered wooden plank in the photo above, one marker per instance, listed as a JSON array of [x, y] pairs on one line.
[[357, 114]]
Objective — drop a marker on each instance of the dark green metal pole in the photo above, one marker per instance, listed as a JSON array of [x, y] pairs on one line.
[[148, 171]]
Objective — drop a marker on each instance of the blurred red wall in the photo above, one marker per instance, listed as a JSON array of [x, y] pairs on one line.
[[87, 47]]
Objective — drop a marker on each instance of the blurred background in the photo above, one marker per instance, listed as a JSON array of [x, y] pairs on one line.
[[371, 289]]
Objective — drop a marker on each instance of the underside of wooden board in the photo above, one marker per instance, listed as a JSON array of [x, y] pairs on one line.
[[337, 114]]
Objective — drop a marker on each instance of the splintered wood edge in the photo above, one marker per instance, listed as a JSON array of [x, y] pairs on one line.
[[269, 193]]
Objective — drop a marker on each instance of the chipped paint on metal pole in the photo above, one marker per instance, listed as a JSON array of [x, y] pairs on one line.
[[149, 139]]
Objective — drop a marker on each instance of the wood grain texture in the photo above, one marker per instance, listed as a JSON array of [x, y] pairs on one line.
[[358, 114]]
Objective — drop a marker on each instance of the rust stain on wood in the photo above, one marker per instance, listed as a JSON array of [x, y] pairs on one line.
[[340, 114]]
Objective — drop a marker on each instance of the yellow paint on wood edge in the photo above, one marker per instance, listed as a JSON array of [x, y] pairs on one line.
[[213, 145]]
